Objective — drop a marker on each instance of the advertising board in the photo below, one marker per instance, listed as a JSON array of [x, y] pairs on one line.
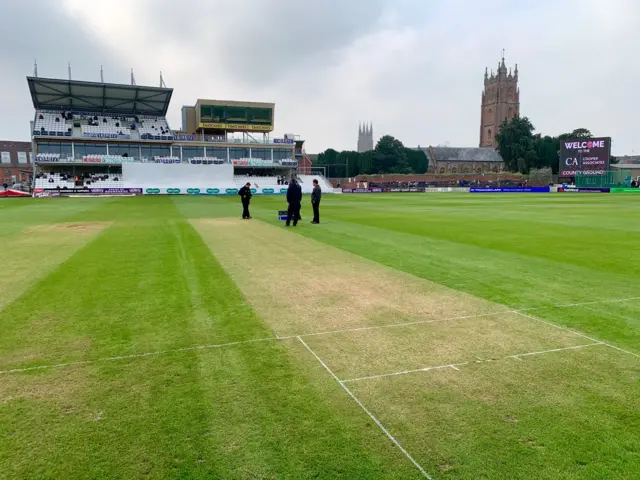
[[590, 156]]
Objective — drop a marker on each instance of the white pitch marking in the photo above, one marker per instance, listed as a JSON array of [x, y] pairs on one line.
[[577, 333], [135, 355], [454, 365], [361, 405], [404, 372], [392, 325], [553, 350]]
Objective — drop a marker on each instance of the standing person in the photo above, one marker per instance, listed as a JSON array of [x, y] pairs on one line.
[[316, 195], [294, 198], [245, 195]]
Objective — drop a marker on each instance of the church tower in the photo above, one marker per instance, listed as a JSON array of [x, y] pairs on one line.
[[500, 102], [365, 137]]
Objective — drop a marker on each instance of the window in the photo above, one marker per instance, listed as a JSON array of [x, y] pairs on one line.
[[189, 152], [261, 153], [510, 113], [217, 152], [490, 116], [282, 153], [160, 151], [236, 114], [205, 112], [84, 149], [145, 152], [236, 152], [124, 150], [489, 137]]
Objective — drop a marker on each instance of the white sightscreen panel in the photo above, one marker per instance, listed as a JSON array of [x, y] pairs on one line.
[[159, 175]]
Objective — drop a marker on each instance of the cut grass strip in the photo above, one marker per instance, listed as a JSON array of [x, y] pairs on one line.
[[300, 286], [569, 414], [31, 255], [255, 411], [383, 351], [133, 290]]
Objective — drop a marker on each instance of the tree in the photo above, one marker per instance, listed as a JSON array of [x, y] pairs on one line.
[[516, 144], [418, 160], [390, 156], [577, 133]]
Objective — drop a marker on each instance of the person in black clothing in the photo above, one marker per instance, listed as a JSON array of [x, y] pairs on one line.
[[245, 195], [294, 198], [316, 195]]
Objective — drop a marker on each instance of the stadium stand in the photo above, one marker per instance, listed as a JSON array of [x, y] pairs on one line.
[[306, 182], [67, 180], [259, 181], [116, 136], [154, 128], [51, 124]]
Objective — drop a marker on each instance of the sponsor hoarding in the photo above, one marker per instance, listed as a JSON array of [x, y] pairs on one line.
[[590, 156], [584, 189], [625, 190], [510, 190], [237, 126], [64, 192]]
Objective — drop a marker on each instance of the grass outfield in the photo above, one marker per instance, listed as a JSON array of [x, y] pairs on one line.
[[408, 336]]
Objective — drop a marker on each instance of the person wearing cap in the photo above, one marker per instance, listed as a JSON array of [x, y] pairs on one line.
[[245, 196]]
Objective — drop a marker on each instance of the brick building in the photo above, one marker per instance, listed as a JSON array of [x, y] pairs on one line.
[[15, 163], [500, 102]]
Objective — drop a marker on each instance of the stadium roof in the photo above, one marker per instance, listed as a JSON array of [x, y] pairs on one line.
[[57, 94]]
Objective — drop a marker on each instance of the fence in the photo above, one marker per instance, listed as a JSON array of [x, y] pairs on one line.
[[609, 179]]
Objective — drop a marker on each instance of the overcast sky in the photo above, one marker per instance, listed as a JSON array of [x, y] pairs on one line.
[[412, 67]]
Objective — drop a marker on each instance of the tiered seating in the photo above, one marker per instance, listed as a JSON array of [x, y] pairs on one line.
[[261, 182], [110, 129], [98, 180], [154, 128], [207, 161], [51, 124], [306, 182]]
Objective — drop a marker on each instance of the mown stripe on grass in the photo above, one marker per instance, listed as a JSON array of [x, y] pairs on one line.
[[34, 253], [133, 290], [253, 411], [518, 280], [571, 414], [299, 286]]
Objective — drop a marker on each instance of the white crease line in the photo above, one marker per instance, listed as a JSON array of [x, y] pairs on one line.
[[613, 300], [447, 319], [575, 347], [406, 324], [577, 333], [135, 355], [455, 365], [329, 332], [361, 405], [404, 372]]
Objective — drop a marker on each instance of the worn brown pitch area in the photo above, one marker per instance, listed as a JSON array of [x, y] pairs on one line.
[[299, 285]]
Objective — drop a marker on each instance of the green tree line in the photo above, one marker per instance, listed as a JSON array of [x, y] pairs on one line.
[[388, 156], [522, 149]]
